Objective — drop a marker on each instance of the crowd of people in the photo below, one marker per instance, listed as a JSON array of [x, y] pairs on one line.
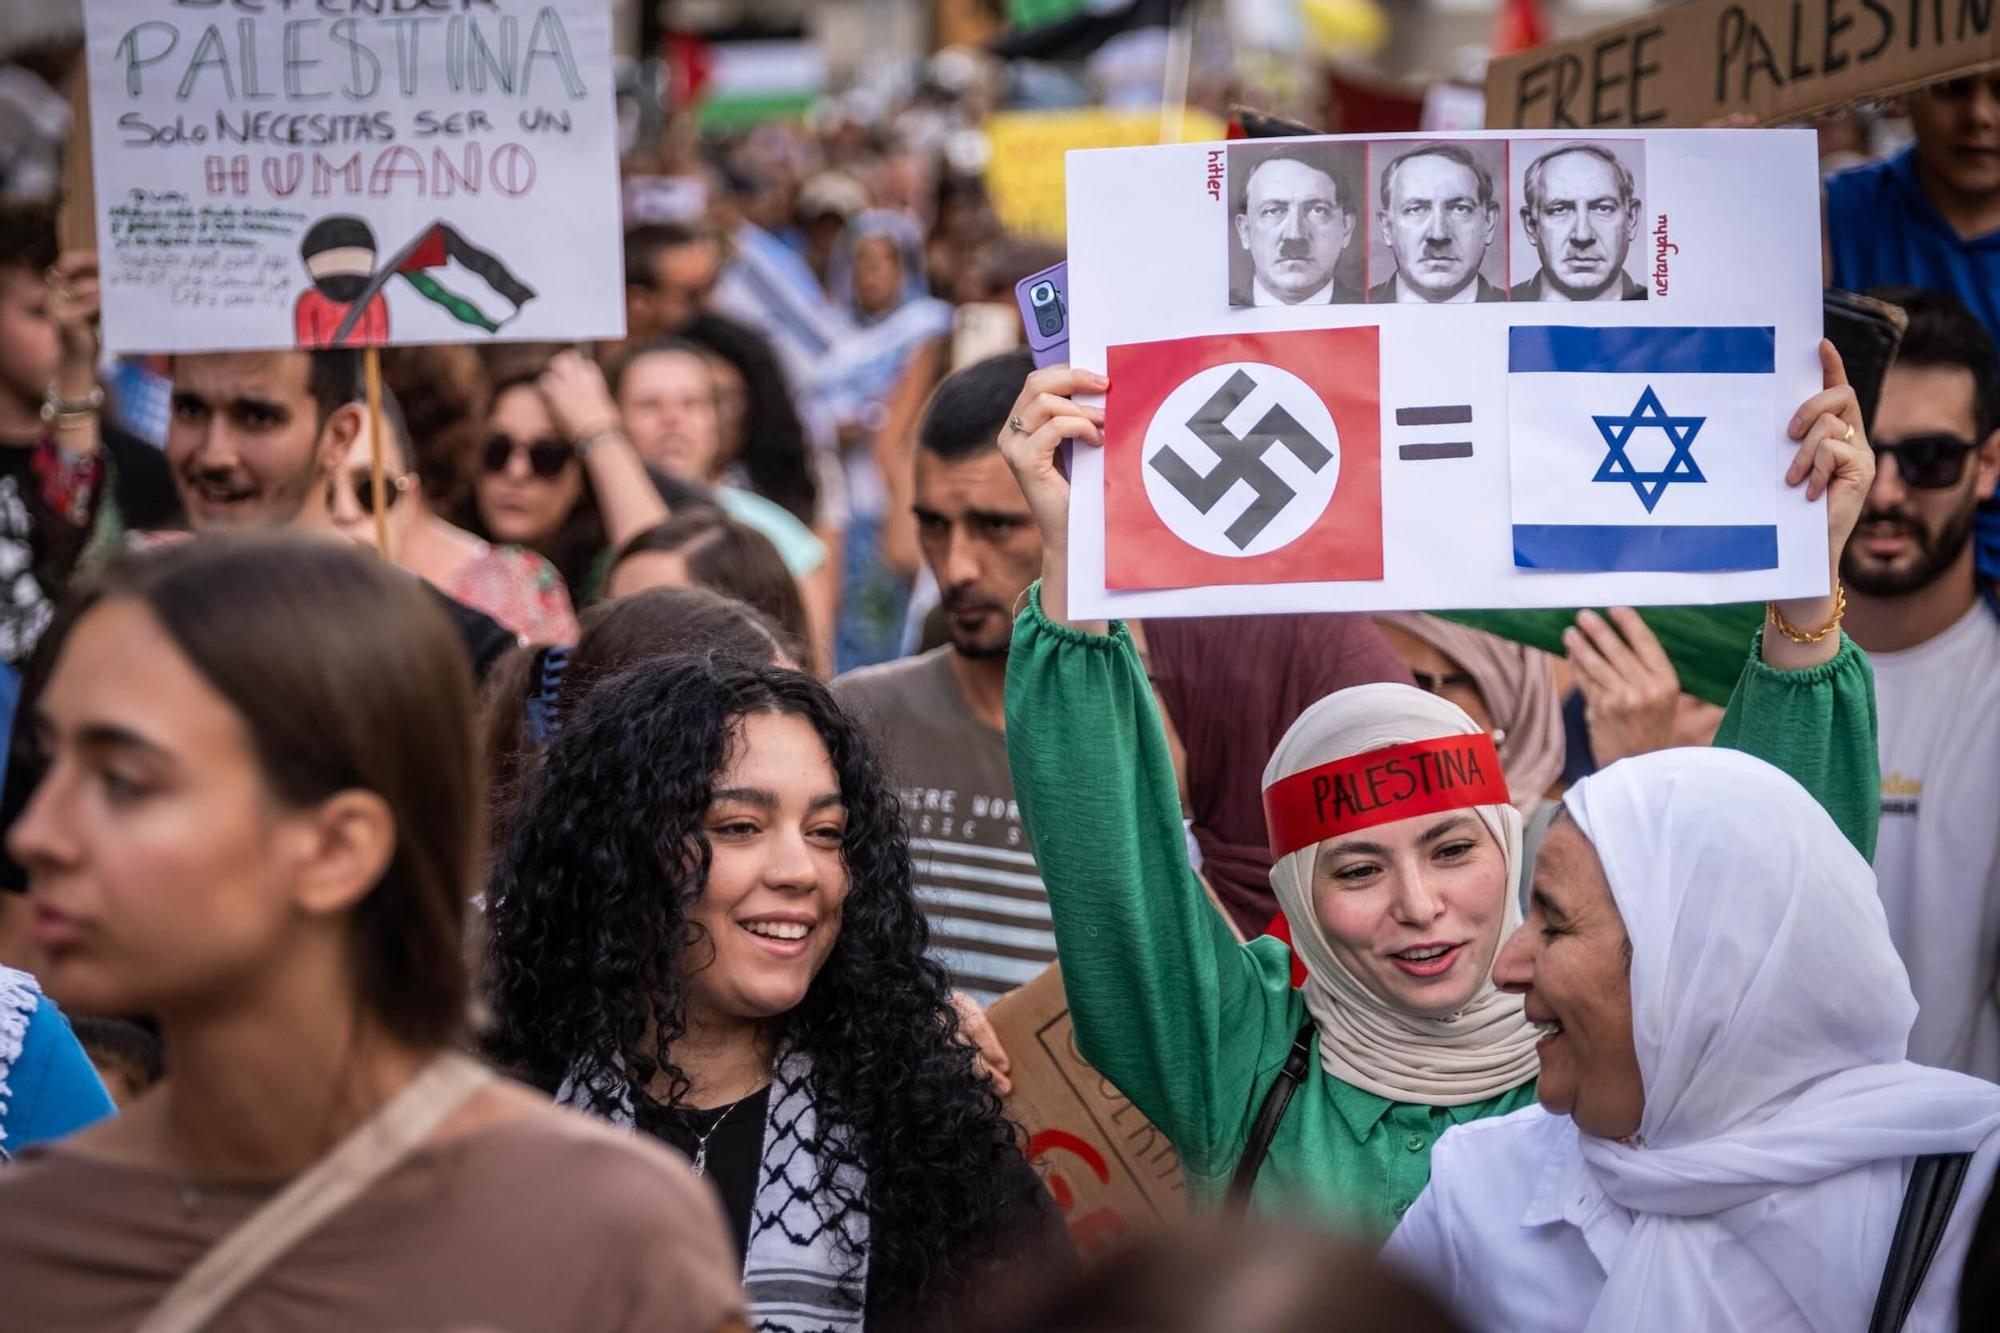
[[538, 852]]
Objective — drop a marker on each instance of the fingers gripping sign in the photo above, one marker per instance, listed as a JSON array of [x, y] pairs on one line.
[[1834, 458], [1044, 416]]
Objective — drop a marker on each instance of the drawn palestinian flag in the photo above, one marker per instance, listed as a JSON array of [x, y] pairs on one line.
[[471, 284]]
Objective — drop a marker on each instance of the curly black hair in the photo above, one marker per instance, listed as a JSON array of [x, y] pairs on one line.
[[588, 912], [775, 452]]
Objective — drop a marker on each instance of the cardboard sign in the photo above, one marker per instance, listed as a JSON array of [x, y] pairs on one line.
[[1776, 59], [1420, 372], [275, 175], [1025, 173], [1109, 1169]]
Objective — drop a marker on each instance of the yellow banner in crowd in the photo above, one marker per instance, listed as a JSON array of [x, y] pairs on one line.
[[1025, 175]]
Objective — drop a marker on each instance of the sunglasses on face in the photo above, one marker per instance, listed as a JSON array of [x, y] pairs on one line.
[[361, 481], [547, 456], [1928, 462]]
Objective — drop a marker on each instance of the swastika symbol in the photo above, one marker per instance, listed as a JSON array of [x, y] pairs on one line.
[[1241, 458]]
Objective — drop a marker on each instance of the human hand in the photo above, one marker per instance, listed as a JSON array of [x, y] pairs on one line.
[[576, 395], [989, 1058], [1631, 693], [1835, 459], [74, 303], [1048, 415]]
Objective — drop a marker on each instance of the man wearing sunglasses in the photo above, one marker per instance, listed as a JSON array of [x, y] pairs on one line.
[[1916, 603]]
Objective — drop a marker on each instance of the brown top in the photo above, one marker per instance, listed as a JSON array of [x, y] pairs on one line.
[[543, 1222]]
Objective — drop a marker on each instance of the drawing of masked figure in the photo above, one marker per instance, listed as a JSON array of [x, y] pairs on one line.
[[339, 256]]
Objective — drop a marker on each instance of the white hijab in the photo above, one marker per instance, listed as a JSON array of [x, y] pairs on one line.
[[1770, 1015], [1487, 1047]]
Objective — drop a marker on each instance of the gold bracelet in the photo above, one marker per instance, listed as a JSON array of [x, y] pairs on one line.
[[1797, 635]]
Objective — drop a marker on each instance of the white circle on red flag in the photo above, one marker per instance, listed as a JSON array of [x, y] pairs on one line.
[[1293, 429]]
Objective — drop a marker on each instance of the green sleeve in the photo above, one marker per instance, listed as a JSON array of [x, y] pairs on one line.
[[1166, 1003], [1818, 725]]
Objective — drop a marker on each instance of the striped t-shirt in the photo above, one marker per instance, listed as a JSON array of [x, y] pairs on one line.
[[989, 914]]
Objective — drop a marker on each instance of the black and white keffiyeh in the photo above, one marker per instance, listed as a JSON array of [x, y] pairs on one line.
[[799, 1276]]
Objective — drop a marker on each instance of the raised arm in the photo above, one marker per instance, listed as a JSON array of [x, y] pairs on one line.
[[580, 402], [1806, 699], [1166, 1003]]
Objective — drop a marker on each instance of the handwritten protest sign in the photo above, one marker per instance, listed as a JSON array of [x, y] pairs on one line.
[[1110, 1169], [1776, 59], [280, 175], [1409, 372]]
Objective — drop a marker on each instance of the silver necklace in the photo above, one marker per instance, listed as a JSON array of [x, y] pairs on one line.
[[701, 1140]]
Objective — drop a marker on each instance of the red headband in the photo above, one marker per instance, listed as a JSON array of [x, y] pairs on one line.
[[1380, 786]]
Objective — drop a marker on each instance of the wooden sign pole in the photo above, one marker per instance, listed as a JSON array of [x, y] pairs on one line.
[[76, 217], [371, 370]]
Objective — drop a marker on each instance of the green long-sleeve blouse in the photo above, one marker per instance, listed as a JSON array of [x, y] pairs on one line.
[[1193, 1025]]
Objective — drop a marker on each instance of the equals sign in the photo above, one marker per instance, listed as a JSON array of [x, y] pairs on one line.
[[1451, 414]]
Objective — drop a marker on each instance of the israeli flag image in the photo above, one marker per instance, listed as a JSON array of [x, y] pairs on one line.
[[1643, 448]]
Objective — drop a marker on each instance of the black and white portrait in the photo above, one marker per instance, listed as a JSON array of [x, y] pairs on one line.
[[1295, 233], [1580, 208], [1438, 218]]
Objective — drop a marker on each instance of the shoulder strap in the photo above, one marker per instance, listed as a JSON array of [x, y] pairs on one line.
[[1265, 1127], [1927, 1207], [358, 1161]]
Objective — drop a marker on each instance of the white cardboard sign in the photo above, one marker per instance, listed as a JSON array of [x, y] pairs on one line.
[[1413, 372], [279, 173]]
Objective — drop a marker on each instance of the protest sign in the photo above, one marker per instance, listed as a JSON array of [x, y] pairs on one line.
[[1110, 1170], [1406, 372], [285, 176], [1025, 172], [1775, 59]]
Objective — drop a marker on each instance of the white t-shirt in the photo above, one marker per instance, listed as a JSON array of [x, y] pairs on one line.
[[1937, 858]]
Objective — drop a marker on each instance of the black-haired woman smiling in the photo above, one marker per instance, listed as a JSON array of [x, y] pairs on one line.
[[704, 928], [258, 823]]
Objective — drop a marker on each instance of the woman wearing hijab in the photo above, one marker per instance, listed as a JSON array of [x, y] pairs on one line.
[[1231, 685], [1508, 688], [1396, 848], [1727, 1124], [877, 278]]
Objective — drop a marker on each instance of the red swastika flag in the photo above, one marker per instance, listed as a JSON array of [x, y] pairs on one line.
[[1244, 458]]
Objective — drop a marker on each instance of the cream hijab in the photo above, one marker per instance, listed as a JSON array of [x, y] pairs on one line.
[[1480, 1052], [1770, 1015]]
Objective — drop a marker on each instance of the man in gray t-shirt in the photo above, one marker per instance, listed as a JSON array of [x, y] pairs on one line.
[[940, 717]]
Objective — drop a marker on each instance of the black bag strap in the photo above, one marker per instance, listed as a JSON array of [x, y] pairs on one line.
[[1265, 1127], [1927, 1208]]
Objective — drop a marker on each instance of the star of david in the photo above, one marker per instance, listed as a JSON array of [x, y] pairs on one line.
[[1648, 414]]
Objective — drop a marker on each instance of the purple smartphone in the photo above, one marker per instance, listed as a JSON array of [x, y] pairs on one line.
[[1044, 302]]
